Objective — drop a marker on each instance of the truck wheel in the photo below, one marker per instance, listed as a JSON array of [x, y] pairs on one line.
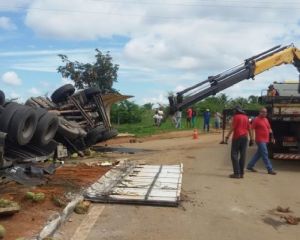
[[70, 130], [62, 93], [109, 134], [94, 135], [90, 92], [7, 114], [23, 125], [46, 128], [2, 98]]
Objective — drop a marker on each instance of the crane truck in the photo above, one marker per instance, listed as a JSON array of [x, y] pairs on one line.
[[283, 110]]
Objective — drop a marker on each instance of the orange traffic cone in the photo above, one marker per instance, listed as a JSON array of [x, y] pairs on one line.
[[195, 134]]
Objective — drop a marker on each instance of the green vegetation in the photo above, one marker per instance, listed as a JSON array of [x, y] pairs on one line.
[[129, 117], [100, 74]]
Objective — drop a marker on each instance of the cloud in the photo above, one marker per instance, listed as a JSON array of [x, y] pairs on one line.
[[11, 78], [169, 44], [7, 24], [34, 91]]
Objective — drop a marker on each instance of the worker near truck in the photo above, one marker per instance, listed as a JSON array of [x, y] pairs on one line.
[[263, 135], [206, 120], [240, 128]]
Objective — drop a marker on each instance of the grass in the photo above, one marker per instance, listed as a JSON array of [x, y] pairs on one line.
[[146, 126]]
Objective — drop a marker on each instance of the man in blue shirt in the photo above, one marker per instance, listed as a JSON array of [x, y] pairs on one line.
[[206, 118]]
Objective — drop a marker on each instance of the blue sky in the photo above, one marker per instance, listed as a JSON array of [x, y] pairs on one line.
[[161, 46]]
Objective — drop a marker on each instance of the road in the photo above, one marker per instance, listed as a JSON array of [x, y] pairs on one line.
[[213, 206]]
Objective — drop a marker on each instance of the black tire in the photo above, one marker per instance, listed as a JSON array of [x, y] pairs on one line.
[[94, 135], [109, 134], [70, 130], [40, 112], [46, 128], [61, 94], [2, 98], [90, 92], [22, 126], [7, 114]]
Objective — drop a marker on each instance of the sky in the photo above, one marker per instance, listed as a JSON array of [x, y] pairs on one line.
[[161, 46]]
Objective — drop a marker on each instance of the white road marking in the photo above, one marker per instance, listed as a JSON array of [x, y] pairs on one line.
[[88, 223]]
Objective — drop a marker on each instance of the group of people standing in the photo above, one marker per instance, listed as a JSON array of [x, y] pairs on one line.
[[191, 116], [241, 128]]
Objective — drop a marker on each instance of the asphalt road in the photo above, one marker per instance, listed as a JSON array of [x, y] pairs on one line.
[[213, 206]]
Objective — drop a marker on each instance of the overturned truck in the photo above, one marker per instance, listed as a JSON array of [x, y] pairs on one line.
[[36, 130]]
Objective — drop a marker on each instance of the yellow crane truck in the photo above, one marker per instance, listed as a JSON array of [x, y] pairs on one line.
[[283, 110]]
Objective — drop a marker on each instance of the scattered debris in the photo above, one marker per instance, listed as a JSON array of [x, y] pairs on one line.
[[283, 210], [58, 201], [2, 231], [82, 207], [74, 155], [8, 207], [291, 219], [35, 197]]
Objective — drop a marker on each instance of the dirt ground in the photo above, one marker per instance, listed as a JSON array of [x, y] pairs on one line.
[[213, 206], [68, 179]]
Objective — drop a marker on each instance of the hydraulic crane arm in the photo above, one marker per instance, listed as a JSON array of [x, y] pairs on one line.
[[249, 69]]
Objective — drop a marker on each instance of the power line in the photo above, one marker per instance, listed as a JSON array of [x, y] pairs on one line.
[[193, 4], [73, 11]]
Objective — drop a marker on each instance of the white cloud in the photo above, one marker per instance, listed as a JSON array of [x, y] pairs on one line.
[[7, 24], [11, 78], [169, 44], [34, 91]]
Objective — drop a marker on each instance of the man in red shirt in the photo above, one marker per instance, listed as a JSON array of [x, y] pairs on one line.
[[263, 130], [240, 128], [189, 114]]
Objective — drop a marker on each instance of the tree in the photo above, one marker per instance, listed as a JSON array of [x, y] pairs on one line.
[[126, 112], [101, 74]]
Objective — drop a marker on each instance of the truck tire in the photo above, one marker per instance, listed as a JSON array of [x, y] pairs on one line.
[[2, 98], [22, 126], [94, 135], [46, 128], [7, 114], [90, 92], [61, 94], [109, 134], [70, 130]]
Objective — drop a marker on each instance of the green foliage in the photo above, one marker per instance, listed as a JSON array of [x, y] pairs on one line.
[[101, 74], [132, 118], [126, 112]]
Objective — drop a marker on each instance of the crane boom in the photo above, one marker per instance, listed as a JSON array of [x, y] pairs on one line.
[[249, 69]]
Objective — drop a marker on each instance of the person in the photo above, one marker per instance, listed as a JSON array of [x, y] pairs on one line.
[[189, 114], [161, 114], [263, 135], [194, 116], [157, 118], [272, 92], [240, 128], [206, 118], [217, 120], [178, 115]]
